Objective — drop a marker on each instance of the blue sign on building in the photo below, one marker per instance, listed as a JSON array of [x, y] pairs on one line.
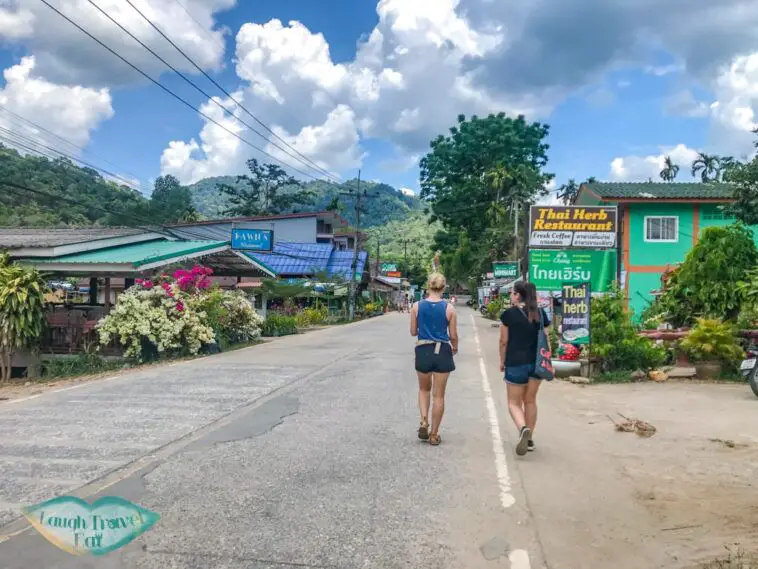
[[252, 239]]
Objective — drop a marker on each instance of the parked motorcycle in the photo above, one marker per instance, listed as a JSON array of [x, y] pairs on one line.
[[749, 368]]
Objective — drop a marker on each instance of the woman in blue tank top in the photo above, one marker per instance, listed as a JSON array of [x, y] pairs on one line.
[[434, 322]]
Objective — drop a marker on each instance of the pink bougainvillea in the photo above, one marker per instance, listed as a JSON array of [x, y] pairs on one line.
[[144, 283], [179, 306], [195, 279]]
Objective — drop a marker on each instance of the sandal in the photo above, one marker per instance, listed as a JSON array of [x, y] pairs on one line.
[[434, 440], [423, 431]]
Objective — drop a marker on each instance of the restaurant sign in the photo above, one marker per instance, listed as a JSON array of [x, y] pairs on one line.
[[577, 304], [252, 239], [549, 269], [389, 268], [506, 270], [591, 227]]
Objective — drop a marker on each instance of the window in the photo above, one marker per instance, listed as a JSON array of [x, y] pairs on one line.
[[662, 229]]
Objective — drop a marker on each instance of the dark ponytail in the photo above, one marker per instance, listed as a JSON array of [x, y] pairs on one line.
[[528, 294]]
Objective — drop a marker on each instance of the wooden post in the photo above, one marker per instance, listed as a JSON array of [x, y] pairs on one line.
[[107, 295], [93, 291]]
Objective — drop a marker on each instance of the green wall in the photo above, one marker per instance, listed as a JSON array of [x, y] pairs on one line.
[[647, 254], [640, 285]]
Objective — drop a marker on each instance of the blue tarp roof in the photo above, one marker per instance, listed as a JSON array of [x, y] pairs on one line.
[[341, 263], [296, 259]]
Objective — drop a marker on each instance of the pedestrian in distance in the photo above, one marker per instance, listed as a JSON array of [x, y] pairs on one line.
[[519, 329], [435, 325]]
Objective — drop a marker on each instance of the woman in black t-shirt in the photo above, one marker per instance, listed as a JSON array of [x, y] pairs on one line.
[[520, 325]]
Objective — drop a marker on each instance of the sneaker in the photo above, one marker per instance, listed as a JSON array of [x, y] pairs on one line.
[[523, 442], [531, 446]]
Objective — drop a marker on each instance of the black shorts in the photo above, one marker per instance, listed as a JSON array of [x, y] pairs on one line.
[[429, 362]]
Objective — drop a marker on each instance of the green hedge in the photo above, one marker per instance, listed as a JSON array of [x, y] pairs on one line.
[[279, 325]]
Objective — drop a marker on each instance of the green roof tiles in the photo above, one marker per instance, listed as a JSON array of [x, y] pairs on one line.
[[661, 191], [138, 254]]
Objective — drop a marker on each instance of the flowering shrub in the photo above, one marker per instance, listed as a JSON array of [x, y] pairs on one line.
[[179, 313], [154, 314], [230, 314]]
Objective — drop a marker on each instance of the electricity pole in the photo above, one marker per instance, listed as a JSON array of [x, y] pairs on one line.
[[352, 288]]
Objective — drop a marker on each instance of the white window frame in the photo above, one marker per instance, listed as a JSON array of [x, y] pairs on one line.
[[661, 217]]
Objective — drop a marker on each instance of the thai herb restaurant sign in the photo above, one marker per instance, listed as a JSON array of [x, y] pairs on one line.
[[592, 227], [577, 302], [549, 269]]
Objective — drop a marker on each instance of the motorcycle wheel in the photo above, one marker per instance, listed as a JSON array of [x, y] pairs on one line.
[[753, 380]]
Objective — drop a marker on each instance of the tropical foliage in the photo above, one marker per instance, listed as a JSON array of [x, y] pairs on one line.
[[713, 340], [670, 170], [707, 166], [267, 190], [705, 284], [479, 181], [615, 341], [22, 319], [277, 324]]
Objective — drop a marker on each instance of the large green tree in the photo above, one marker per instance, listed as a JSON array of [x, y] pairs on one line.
[[170, 201], [266, 190], [479, 181], [456, 176]]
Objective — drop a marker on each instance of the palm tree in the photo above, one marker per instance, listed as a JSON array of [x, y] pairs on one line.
[[670, 170], [707, 166], [728, 166]]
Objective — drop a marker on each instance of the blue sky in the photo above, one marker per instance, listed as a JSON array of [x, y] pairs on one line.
[[366, 84]]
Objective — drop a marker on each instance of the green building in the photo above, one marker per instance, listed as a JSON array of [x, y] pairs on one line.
[[658, 225]]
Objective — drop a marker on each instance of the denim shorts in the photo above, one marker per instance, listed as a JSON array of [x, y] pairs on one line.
[[519, 375]]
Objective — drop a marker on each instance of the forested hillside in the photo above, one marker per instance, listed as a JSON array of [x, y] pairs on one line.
[[383, 205], [413, 235], [65, 194]]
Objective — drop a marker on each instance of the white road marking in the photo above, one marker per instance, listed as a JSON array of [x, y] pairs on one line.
[[519, 559], [501, 466]]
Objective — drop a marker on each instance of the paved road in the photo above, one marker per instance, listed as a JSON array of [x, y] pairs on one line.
[[298, 453]]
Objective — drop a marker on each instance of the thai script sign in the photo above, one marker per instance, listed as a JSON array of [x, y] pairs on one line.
[[577, 304], [591, 227], [252, 239], [549, 269], [79, 528], [389, 268], [506, 270]]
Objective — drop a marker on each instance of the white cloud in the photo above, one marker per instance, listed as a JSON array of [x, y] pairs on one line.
[[64, 54], [640, 168], [407, 192], [71, 112]]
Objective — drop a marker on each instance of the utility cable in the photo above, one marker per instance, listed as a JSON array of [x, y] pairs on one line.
[[170, 92], [231, 97]]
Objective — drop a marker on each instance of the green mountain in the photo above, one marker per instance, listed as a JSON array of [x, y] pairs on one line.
[[384, 204], [42, 192], [413, 236]]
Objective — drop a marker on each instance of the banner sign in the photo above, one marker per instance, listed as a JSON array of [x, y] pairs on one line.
[[506, 270], [577, 305], [549, 269], [389, 268], [592, 227], [252, 239], [394, 274]]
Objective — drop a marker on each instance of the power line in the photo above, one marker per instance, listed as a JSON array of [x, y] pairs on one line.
[[26, 122], [240, 105], [188, 80], [199, 25], [170, 92], [9, 135]]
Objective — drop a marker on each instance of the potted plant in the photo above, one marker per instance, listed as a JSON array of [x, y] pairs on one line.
[[711, 345]]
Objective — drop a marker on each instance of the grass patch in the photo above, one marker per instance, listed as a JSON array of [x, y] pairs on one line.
[[82, 364], [734, 559]]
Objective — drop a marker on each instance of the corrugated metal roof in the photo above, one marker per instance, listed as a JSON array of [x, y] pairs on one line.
[[661, 191], [296, 258], [302, 259], [137, 254], [341, 264], [17, 237]]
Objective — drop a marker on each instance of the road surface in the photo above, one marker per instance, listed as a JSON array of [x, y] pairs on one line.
[[302, 453]]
